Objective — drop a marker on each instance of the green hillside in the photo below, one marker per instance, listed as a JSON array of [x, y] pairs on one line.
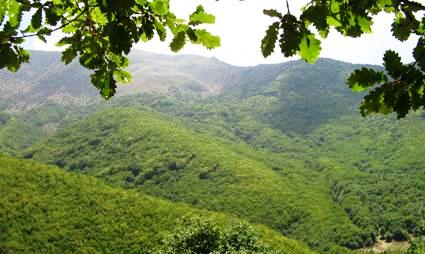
[[45, 210], [158, 156], [383, 181], [280, 145], [17, 134], [374, 166]]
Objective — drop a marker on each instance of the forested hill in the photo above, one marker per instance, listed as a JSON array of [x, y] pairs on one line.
[[47, 211], [280, 145]]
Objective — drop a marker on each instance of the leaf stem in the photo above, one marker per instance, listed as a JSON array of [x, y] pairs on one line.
[[287, 7]]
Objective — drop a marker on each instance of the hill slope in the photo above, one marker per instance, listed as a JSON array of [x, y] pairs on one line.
[[45, 210], [17, 134], [159, 156], [280, 144]]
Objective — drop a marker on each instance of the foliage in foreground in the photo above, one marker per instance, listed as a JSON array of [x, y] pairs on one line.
[[400, 88], [196, 235], [100, 33]]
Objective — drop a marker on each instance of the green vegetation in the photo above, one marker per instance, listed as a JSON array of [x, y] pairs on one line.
[[400, 88], [45, 210], [268, 149], [417, 247], [197, 235], [101, 34], [162, 158], [17, 134]]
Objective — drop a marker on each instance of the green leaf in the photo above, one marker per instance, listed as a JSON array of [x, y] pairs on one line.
[[178, 41], [160, 30], [68, 55], [98, 16], [361, 80], [160, 7], [52, 15], [207, 39], [119, 38], [269, 41], [393, 64], [273, 13], [41, 37], [318, 16], [192, 35], [291, 37], [2, 12], [122, 76], [374, 102], [144, 38], [332, 21], [201, 17], [12, 57], [402, 27], [70, 28], [309, 48], [37, 19], [365, 24], [65, 41], [419, 53], [148, 29], [104, 81], [385, 4], [14, 13]]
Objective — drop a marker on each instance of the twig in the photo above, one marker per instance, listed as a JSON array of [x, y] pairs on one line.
[[287, 7], [53, 30]]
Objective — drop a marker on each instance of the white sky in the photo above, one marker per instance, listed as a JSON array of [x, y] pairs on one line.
[[241, 26]]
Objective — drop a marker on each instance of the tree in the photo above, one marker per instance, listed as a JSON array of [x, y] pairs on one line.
[[102, 32], [196, 235], [417, 247], [400, 88]]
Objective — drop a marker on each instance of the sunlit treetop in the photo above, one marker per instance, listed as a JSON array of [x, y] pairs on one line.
[[102, 32]]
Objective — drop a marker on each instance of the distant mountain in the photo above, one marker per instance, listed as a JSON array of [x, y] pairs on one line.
[[300, 98], [47, 78], [303, 96]]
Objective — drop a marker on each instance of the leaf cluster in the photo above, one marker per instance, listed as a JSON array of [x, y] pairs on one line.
[[401, 88], [100, 33]]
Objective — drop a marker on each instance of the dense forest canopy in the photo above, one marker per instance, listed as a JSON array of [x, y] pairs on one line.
[[102, 33]]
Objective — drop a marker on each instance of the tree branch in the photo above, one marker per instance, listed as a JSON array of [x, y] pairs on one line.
[[413, 4], [53, 30]]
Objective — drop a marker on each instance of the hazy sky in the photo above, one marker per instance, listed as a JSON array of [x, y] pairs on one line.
[[241, 26]]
